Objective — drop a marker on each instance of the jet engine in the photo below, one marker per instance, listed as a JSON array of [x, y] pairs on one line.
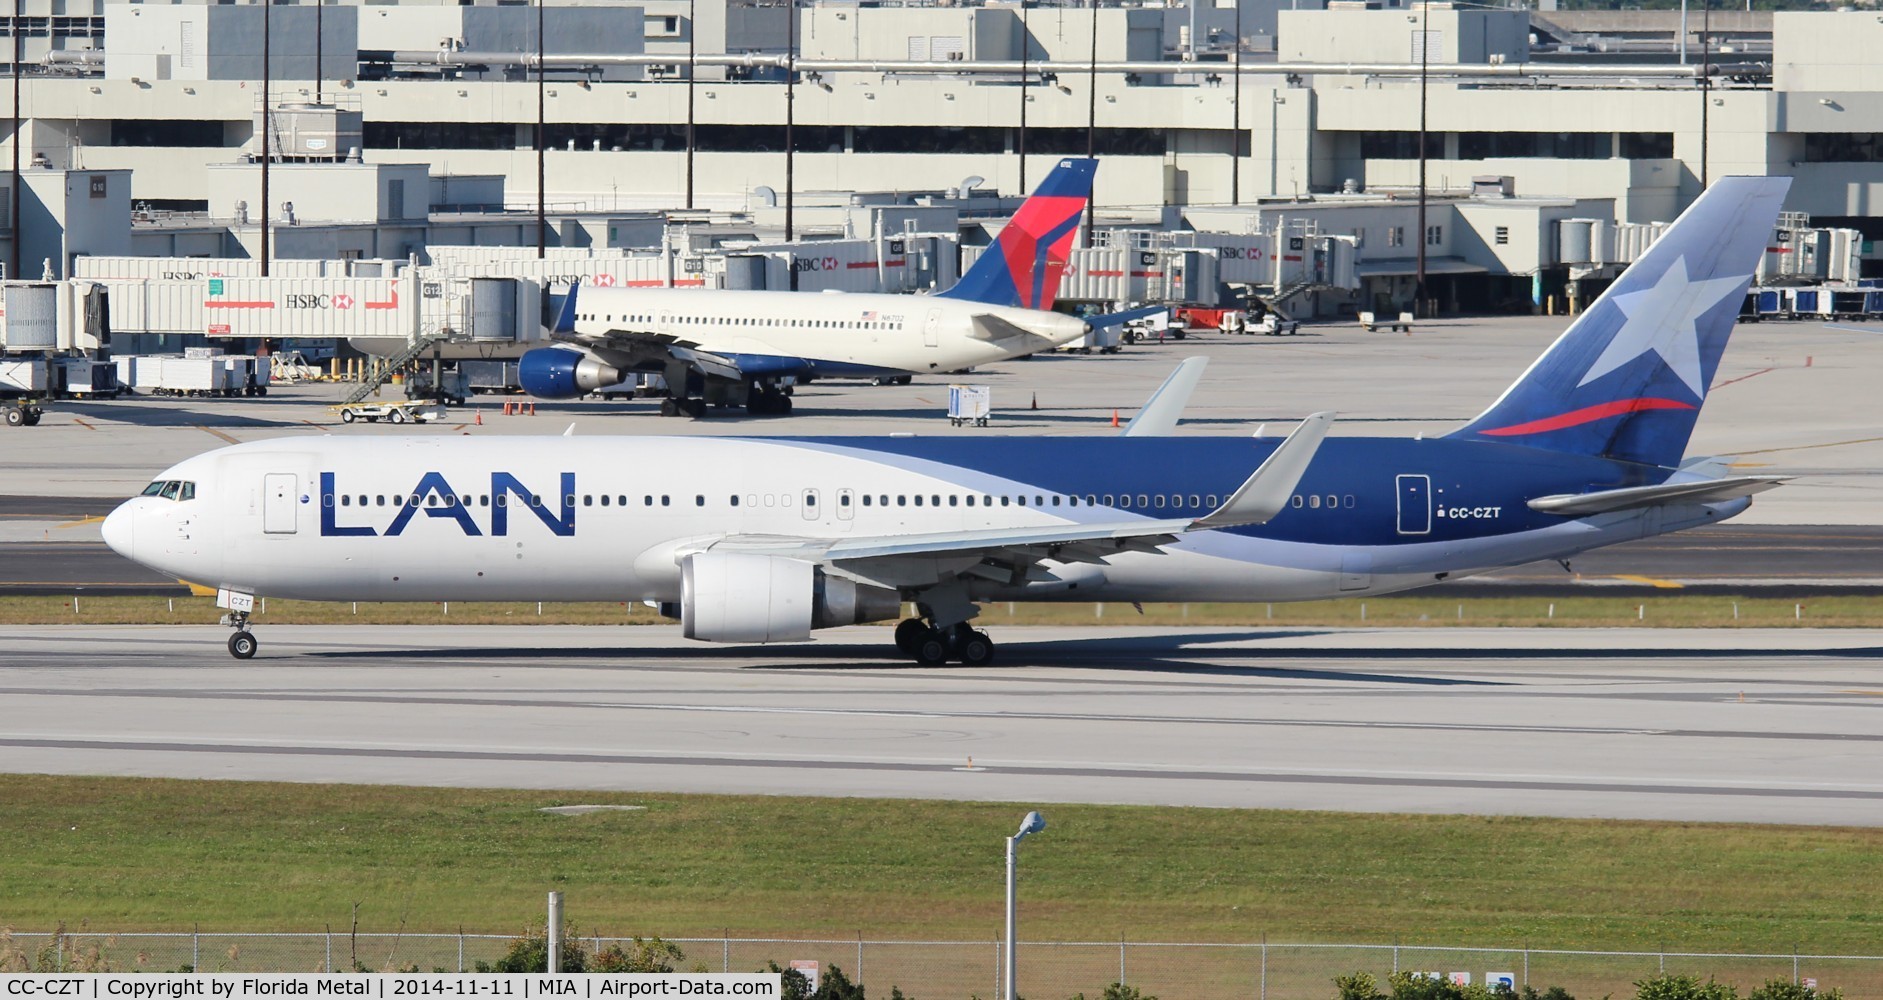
[[745, 597], [559, 373]]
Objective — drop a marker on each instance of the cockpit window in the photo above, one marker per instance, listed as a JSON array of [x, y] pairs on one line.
[[173, 489]]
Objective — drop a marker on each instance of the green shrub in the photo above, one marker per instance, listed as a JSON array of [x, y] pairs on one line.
[[1785, 989], [530, 953], [1359, 986], [651, 955], [1416, 986], [1672, 987]]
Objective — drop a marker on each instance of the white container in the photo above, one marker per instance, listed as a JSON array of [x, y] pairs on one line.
[[969, 404], [202, 352], [188, 374], [127, 369], [28, 376]]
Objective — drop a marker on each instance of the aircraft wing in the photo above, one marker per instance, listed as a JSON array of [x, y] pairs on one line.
[[638, 349], [1697, 491], [1007, 554]]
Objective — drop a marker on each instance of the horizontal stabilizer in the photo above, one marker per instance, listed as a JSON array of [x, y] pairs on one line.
[[1628, 498], [1267, 491], [1165, 407], [993, 329], [1122, 317]]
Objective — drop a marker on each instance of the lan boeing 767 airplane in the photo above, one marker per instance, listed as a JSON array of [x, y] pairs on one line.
[[749, 540]]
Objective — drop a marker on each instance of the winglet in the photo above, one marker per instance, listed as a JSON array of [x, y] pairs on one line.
[[1267, 490], [1161, 412], [565, 320]]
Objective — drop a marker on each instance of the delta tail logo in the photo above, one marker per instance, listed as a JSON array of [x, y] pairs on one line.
[[1027, 260]]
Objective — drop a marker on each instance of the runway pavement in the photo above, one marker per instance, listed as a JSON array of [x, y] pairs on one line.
[[1766, 726], [45, 555]]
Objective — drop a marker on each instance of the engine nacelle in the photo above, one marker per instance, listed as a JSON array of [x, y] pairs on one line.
[[559, 373], [745, 597]]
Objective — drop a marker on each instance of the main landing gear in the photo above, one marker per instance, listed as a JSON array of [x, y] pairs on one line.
[[933, 647], [242, 644]]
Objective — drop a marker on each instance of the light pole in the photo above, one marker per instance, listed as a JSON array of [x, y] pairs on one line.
[[542, 143], [1425, 45], [1033, 823]]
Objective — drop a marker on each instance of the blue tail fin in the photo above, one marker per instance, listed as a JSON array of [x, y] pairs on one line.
[[565, 317], [1024, 265], [1627, 379]]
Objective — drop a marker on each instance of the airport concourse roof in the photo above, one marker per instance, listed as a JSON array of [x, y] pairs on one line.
[[1409, 265]]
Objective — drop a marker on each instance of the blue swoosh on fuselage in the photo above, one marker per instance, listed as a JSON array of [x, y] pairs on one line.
[[1465, 475]]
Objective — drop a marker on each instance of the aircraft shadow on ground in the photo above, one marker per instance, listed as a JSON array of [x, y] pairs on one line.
[[160, 415], [1169, 654]]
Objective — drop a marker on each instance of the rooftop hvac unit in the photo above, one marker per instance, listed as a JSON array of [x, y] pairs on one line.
[[317, 131]]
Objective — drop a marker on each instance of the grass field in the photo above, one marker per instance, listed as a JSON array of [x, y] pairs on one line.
[[132, 854], [1672, 610]]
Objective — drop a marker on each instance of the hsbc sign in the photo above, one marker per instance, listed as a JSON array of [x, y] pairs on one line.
[[802, 264], [317, 301]]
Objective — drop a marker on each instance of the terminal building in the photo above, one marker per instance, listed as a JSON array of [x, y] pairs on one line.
[[1249, 149]]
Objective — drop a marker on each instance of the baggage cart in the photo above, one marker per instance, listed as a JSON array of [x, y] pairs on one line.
[[969, 404]]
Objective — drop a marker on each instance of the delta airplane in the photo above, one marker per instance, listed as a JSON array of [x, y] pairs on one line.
[[734, 347], [752, 540]]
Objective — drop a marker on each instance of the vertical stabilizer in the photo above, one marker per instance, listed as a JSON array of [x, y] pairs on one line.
[[1024, 265], [1627, 379]]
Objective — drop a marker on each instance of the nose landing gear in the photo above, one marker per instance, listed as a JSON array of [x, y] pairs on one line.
[[933, 647], [242, 645]]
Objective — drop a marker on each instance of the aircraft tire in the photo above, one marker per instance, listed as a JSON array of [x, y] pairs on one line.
[[932, 650], [32, 418], [16, 417], [242, 645], [695, 408], [669, 408], [784, 405], [976, 650], [909, 632]]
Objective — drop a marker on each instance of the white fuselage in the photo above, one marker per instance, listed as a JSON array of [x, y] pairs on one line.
[[610, 519], [840, 331]]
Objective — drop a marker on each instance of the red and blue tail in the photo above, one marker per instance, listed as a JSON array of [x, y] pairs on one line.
[[1627, 379], [1024, 265]]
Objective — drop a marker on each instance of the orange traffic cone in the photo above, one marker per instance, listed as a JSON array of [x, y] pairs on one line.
[[1036, 401], [480, 418], [1114, 418]]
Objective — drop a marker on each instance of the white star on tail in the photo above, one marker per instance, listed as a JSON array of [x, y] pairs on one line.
[[1661, 320]]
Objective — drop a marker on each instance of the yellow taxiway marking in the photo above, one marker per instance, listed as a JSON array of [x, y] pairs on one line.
[[79, 522], [197, 589], [212, 430], [1650, 581], [83, 423]]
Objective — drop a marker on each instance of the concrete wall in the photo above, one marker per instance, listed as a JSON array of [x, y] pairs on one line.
[[1394, 36], [189, 42]]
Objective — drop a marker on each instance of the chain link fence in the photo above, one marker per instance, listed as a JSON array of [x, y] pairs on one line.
[[959, 970]]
